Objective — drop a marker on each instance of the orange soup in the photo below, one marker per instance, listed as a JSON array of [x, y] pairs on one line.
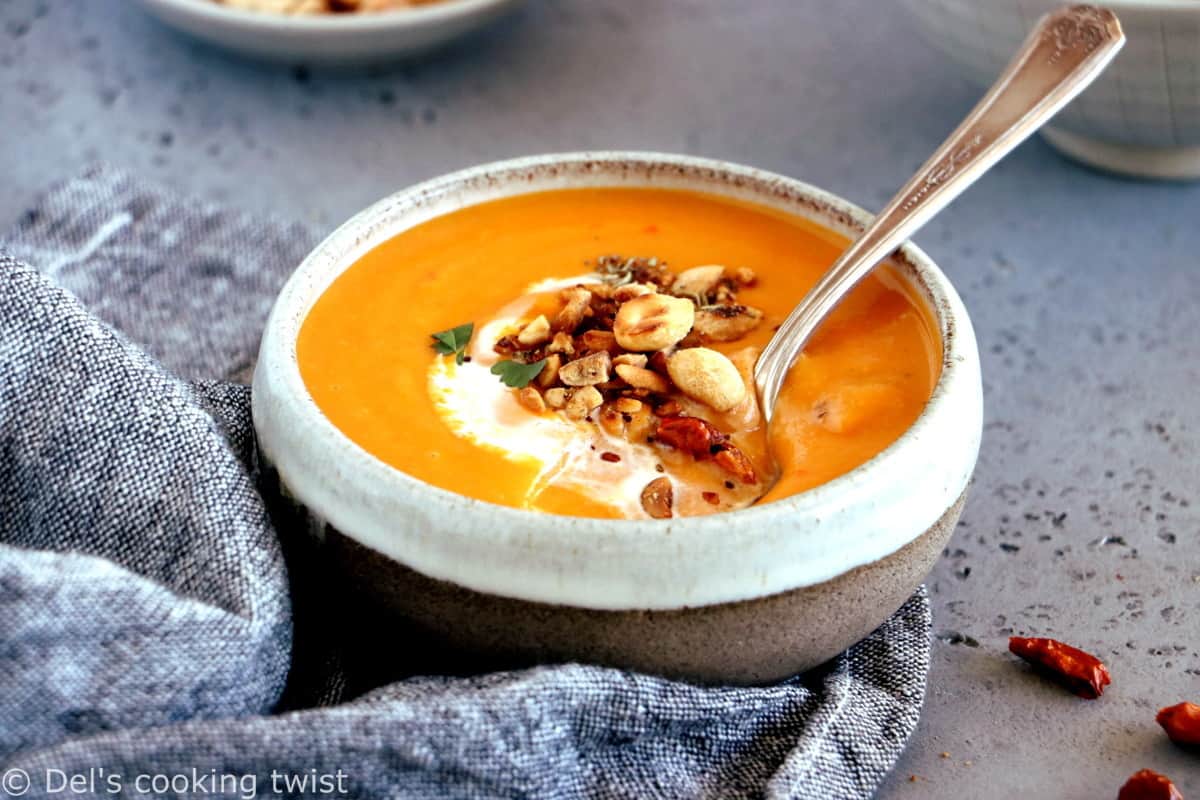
[[565, 379]]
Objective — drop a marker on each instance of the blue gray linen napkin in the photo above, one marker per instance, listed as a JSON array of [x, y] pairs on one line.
[[159, 618]]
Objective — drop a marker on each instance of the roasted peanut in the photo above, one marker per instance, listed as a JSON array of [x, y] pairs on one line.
[[707, 376], [586, 371], [535, 332], [641, 378], [592, 341], [562, 343], [633, 359], [578, 301], [583, 401], [725, 323], [697, 282], [653, 322], [549, 374], [531, 398]]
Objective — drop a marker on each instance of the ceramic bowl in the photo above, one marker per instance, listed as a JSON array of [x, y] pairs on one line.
[[744, 597], [334, 39], [1141, 117]]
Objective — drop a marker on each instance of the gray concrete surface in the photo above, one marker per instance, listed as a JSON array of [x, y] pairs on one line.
[[1084, 520]]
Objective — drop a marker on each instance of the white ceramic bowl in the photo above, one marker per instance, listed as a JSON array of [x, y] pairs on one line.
[[333, 39], [1141, 117], [799, 547]]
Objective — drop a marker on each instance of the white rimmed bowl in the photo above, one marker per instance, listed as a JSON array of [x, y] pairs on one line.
[[747, 596], [333, 39], [1140, 118]]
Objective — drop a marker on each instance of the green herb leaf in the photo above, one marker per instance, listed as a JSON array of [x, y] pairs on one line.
[[516, 374], [454, 341]]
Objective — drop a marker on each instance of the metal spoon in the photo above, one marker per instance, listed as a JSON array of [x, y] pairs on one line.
[[1066, 51]]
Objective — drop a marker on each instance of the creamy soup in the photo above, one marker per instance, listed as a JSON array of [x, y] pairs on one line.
[[588, 352]]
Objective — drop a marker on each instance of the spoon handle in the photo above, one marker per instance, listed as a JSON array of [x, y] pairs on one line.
[[1065, 52]]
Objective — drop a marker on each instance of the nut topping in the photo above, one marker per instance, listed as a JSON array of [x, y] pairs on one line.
[[622, 354], [549, 374], [725, 323], [633, 359], [586, 371], [582, 402], [578, 304], [698, 282], [531, 398], [562, 343], [653, 322], [641, 378], [707, 376], [536, 332]]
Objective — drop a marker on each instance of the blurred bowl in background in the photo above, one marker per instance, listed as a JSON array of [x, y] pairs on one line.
[[1141, 117], [328, 39]]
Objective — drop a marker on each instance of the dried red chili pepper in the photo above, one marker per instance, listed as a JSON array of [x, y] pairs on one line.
[[1149, 785], [1081, 672], [1181, 722]]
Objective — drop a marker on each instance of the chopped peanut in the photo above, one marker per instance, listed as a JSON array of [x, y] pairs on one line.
[[725, 323], [531, 398], [562, 343], [586, 371], [653, 322], [707, 376], [535, 332], [641, 378], [633, 359], [583, 401], [698, 282], [549, 374], [578, 303], [591, 341]]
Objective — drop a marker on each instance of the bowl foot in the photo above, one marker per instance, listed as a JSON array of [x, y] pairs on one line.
[[1166, 163]]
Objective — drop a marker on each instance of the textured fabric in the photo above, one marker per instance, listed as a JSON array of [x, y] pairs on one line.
[[159, 618]]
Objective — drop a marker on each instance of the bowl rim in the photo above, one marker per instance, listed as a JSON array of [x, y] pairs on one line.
[[519, 539], [272, 22]]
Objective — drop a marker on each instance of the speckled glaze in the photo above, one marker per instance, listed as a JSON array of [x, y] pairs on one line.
[[340, 40], [827, 565]]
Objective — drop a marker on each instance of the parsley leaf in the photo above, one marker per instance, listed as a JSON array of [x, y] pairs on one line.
[[454, 342], [516, 374]]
